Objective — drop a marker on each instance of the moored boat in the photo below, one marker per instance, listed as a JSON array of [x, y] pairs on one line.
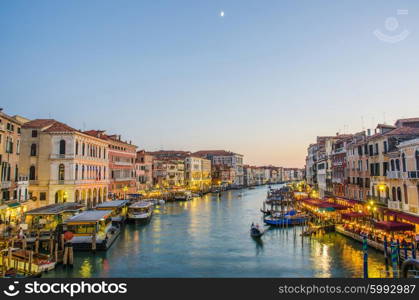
[[119, 209], [92, 229], [140, 211]]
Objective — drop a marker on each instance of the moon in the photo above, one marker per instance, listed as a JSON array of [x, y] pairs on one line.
[[222, 14]]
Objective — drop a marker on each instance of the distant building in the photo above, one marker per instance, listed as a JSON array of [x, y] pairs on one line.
[[198, 173], [144, 170], [227, 167]]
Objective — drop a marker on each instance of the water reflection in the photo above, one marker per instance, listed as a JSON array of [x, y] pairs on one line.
[[209, 237]]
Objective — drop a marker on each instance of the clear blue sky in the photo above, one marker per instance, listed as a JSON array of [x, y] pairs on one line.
[[264, 80]]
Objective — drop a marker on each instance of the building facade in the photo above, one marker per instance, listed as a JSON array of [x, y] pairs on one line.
[[198, 173], [63, 164], [122, 158], [144, 170]]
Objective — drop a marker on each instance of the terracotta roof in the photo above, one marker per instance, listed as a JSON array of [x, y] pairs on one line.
[[400, 122], [214, 153], [39, 123], [404, 131], [49, 125], [101, 135]]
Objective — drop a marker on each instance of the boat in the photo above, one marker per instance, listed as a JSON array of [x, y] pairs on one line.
[[119, 209], [255, 231], [289, 218], [183, 196], [22, 260], [141, 211], [162, 202], [92, 230]]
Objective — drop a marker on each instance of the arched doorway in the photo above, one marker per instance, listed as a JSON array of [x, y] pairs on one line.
[[100, 195], [77, 196], [89, 198], [105, 194], [61, 196], [83, 197], [94, 197]]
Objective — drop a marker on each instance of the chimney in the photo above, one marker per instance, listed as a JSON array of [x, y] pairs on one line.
[[368, 132]]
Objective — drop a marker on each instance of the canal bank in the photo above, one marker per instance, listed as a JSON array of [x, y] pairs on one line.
[[209, 237]]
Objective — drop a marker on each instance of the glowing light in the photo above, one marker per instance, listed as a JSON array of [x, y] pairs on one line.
[[222, 14]]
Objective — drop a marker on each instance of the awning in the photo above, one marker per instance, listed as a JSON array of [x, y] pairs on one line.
[[15, 204], [402, 216], [350, 215], [394, 226]]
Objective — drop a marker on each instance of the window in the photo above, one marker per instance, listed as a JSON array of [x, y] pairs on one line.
[[34, 133], [399, 194], [404, 162], [397, 165], [371, 150], [417, 159], [376, 149], [77, 148], [385, 147], [406, 200], [61, 172], [42, 196], [62, 147], [32, 175], [385, 168], [392, 164], [33, 150], [76, 175]]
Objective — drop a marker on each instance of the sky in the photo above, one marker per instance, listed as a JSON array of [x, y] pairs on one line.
[[263, 78]]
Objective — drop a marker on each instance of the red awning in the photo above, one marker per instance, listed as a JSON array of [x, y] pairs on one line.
[[394, 226], [349, 215], [402, 216]]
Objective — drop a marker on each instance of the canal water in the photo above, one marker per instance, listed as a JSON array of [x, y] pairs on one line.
[[209, 237]]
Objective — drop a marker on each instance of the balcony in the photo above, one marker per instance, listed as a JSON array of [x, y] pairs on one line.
[[6, 184], [394, 174], [397, 205], [122, 163], [62, 156]]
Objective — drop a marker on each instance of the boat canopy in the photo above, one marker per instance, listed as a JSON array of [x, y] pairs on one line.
[[112, 204], [349, 215], [141, 205], [55, 209], [90, 216]]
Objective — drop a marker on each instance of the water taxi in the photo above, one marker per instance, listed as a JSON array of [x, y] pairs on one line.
[[92, 229], [183, 196], [141, 211], [119, 209]]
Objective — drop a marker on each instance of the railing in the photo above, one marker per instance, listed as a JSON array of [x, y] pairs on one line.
[[394, 174], [6, 184], [395, 205], [62, 156]]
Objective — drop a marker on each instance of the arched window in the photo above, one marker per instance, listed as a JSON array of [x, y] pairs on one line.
[[399, 194], [82, 172], [406, 199], [76, 175], [61, 172], [417, 159], [33, 150], [397, 165], [77, 147], [392, 164], [32, 175], [62, 147], [393, 194], [404, 162], [83, 149]]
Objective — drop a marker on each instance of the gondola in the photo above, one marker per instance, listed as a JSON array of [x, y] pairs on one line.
[[256, 232]]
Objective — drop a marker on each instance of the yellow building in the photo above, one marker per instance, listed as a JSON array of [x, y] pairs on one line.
[[197, 173], [63, 164]]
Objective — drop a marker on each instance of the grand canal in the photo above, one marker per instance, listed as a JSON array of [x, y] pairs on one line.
[[209, 237]]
